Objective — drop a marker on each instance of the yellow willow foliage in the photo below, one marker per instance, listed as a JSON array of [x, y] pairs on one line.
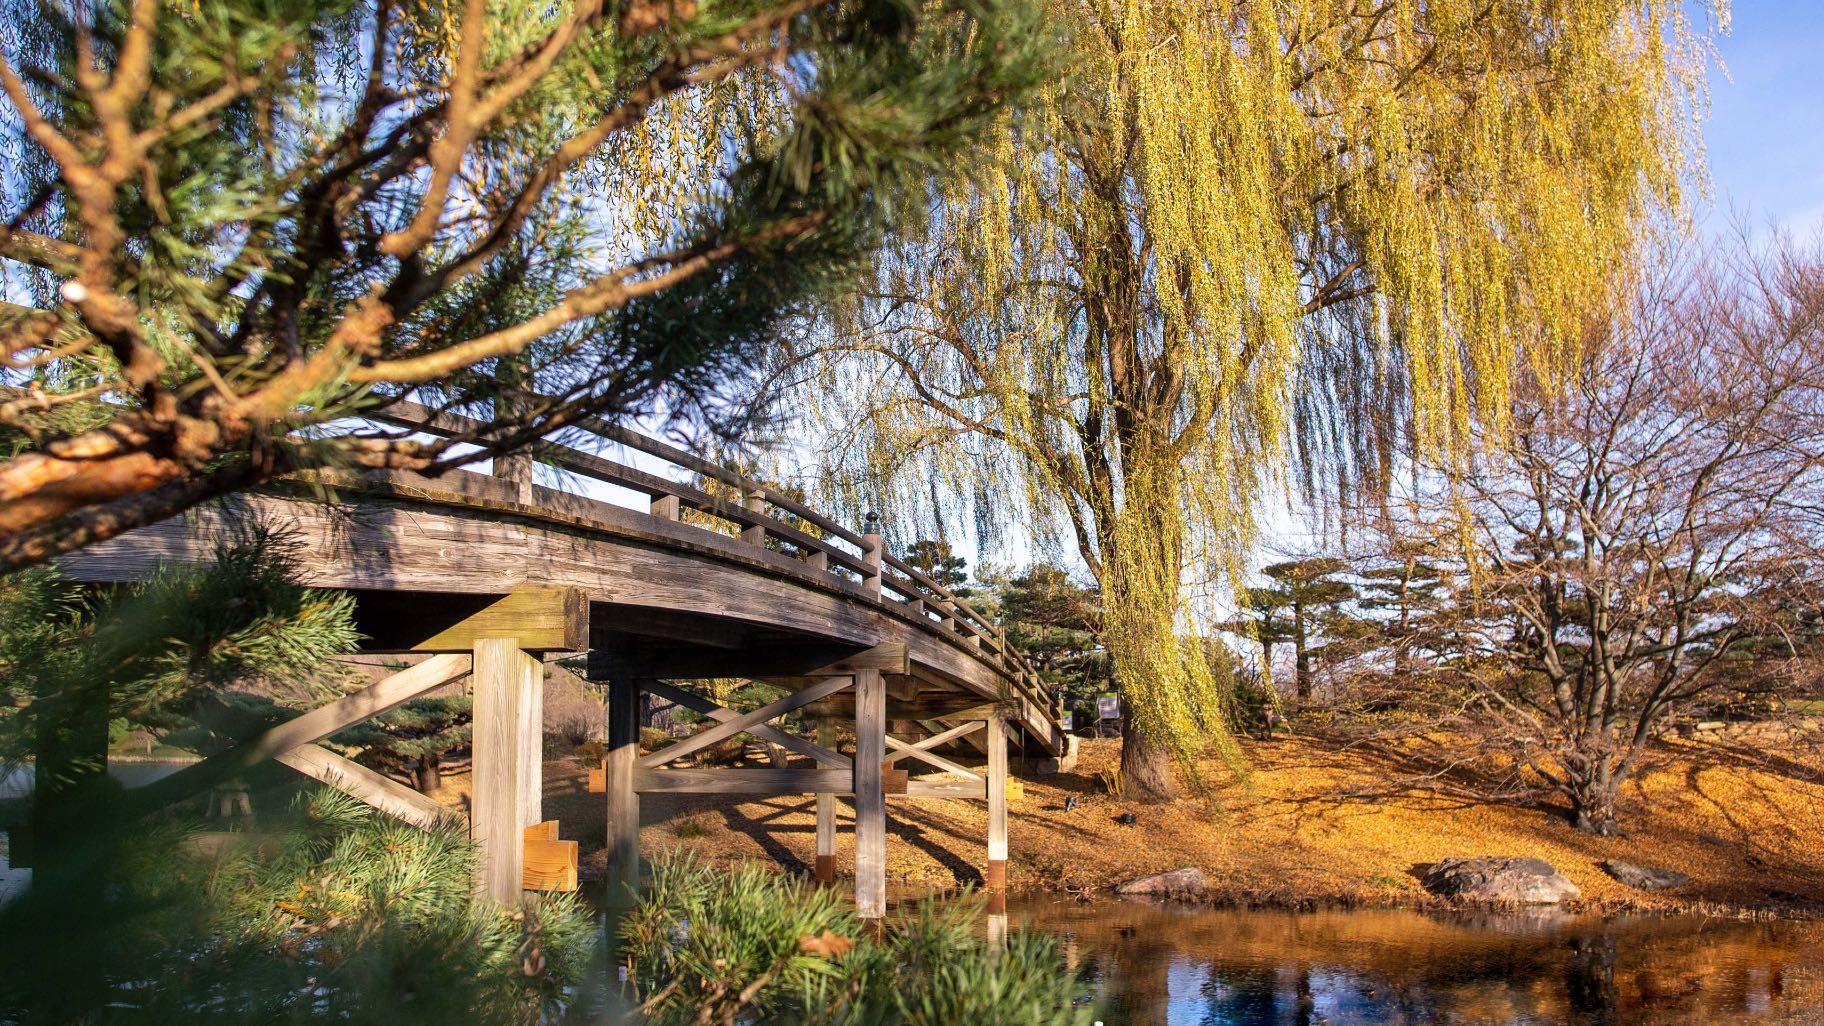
[[1243, 230]]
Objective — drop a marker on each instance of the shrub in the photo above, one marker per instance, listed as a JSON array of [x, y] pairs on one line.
[[755, 946]]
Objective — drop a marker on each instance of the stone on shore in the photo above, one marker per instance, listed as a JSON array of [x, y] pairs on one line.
[[1505, 880], [1645, 878], [1188, 882]]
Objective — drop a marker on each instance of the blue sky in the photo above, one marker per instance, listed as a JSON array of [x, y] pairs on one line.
[[1765, 134]]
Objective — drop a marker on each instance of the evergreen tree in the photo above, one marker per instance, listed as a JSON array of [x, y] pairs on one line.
[[1307, 608], [935, 560], [411, 741], [159, 653], [1051, 619], [246, 221]]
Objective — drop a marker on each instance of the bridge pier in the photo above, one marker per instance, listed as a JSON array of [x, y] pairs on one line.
[[996, 875], [623, 798], [870, 795], [509, 763], [825, 865]]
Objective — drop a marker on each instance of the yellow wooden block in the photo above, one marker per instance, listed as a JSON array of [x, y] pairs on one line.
[[546, 831], [1015, 789], [598, 780], [550, 865]]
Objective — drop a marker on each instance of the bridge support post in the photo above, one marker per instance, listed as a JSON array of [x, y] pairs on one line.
[[508, 746], [623, 800], [825, 871], [996, 876], [870, 798]]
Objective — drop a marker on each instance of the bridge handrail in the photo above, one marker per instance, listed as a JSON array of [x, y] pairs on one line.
[[870, 562]]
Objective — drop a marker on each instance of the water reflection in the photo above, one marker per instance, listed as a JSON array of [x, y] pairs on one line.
[[1166, 966]]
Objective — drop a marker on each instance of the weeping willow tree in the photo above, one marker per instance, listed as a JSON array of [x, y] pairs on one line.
[[1247, 244]]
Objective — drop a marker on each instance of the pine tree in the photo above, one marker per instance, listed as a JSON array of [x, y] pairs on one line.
[[936, 560], [411, 741], [157, 654], [239, 222]]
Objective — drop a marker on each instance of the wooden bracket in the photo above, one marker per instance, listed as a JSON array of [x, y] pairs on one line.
[[550, 864], [541, 618]]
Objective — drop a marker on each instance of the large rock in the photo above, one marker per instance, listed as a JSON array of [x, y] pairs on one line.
[[1507, 880], [1646, 878], [1188, 882]]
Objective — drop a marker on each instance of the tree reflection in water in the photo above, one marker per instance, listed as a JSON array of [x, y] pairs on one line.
[[1175, 966]]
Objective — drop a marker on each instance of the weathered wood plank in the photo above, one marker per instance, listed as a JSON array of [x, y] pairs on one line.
[[506, 682], [933, 787], [729, 728], [380, 791], [870, 798]]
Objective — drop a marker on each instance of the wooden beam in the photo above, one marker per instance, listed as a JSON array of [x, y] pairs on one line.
[[310, 727], [380, 791], [943, 723], [740, 781], [870, 798], [760, 661], [507, 680], [623, 791], [729, 728], [825, 868], [903, 750], [541, 618], [764, 731], [996, 877], [945, 787]]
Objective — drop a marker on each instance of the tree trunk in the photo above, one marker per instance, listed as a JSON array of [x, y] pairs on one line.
[[429, 774], [1148, 773], [1592, 794]]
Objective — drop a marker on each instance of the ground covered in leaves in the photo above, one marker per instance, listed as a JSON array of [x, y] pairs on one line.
[[1308, 825]]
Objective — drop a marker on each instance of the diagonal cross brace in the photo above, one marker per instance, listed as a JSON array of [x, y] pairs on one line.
[[921, 750], [746, 721], [310, 727], [763, 731]]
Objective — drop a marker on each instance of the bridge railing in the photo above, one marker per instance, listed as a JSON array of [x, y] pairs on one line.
[[762, 515]]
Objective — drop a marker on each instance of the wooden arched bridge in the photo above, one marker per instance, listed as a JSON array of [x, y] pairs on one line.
[[718, 576]]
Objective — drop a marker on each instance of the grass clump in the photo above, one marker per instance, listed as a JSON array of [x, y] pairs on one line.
[[753, 946]]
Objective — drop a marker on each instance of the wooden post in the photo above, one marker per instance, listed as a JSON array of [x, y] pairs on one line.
[[665, 506], [623, 801], [532, 751], [872, 554], [870, 799], [507, 682], [754, 502], [997, 805], [825, 871]]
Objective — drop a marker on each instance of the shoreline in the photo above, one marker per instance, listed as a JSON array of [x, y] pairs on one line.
[[1289, 837]]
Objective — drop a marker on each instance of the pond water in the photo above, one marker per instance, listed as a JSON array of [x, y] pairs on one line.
[[1156, 965]]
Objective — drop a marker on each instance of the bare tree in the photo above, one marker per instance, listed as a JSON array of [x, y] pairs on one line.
[[1643, 535]]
